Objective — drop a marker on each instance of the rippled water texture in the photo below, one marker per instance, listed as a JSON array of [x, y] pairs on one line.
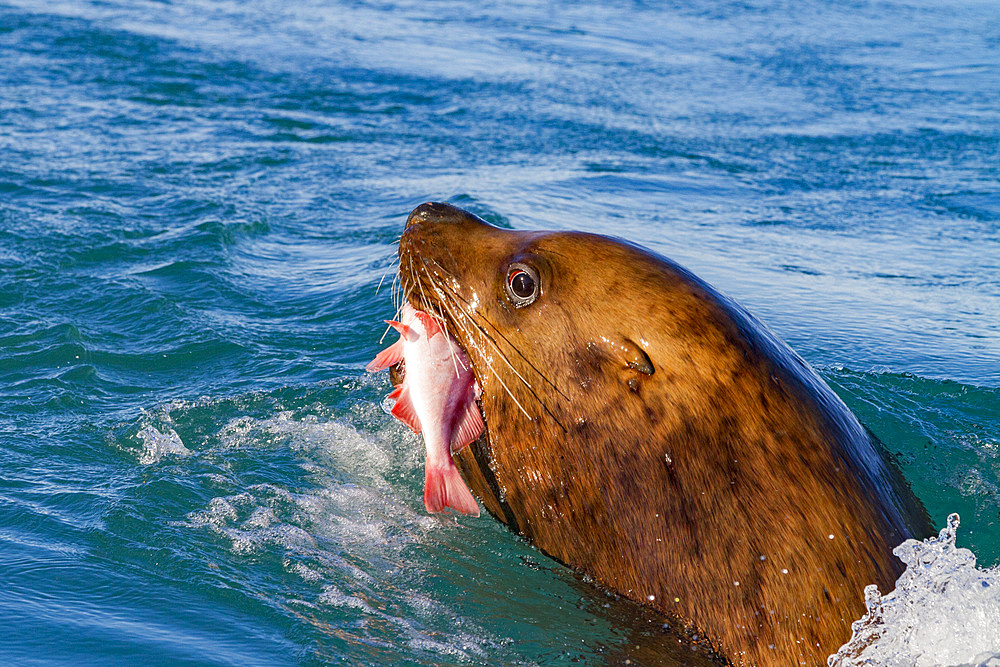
[[197, 203]]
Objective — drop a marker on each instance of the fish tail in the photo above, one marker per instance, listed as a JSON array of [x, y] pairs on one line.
[[444, 488]]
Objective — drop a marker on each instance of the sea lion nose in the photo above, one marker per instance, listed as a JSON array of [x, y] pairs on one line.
[[437, 213]]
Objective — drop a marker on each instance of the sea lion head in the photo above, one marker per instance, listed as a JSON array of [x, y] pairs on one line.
[[560, 299], [647, 431]]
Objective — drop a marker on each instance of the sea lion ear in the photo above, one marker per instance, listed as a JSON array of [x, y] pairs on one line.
[[636, 358]]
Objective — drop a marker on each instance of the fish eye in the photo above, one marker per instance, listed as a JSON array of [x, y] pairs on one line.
[[522, 284]]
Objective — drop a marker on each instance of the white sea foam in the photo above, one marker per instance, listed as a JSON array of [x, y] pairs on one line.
[[349, 532], [331, 442], [157, 436], [351, 503], [944, 611], [250, 520]]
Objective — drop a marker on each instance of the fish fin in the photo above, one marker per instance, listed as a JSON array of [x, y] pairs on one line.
[[387, 357], [401, 328], [404, 411], [397, 390], [470, 426], [444, 488], [431, 326]]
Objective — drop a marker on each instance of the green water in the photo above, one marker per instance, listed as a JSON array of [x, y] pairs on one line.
[[198, 201]]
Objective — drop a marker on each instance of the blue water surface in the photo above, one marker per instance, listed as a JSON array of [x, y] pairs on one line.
[[199, 199]]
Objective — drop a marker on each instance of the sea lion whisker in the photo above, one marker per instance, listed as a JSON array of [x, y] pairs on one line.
[[509, 392], [501, 334], [400, 297], [488, 338], [397, 301], [444, 324], [454, 357], [492, 341], [429, 305], [521, 354], [444, 289], [445, 292], [394, 293], [444, 320], [506, 359], [485, 336], [420, 286], [473, 340], [392, 261], [395, 316], [393, 289]]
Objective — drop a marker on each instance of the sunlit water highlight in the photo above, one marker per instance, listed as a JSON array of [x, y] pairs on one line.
[[198, 200]]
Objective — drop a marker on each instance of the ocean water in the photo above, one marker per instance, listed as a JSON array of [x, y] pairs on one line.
[[199, 200]]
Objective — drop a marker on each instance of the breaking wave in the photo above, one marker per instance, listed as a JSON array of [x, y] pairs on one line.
[[943, 611]]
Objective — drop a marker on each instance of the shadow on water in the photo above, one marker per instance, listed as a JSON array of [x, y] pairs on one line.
[[649, 639]]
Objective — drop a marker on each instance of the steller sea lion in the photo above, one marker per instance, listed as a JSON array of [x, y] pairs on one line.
[[649, 432]]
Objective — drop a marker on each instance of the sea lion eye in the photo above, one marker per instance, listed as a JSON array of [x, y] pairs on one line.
[[522, 284]]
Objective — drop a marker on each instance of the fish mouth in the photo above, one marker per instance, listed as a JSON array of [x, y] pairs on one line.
[[397, 373]]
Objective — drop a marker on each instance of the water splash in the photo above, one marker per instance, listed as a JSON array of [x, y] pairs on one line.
[[156, 435], [944, 611], [156, 444]]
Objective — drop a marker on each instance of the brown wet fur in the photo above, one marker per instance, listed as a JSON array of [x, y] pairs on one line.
[[711, 485]]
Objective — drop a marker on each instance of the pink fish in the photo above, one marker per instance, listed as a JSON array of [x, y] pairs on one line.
[[438, 399]]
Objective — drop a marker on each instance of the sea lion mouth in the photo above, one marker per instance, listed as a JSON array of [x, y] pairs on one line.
[[417, 284], [448, 268], [452, 265], [428, 286]]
